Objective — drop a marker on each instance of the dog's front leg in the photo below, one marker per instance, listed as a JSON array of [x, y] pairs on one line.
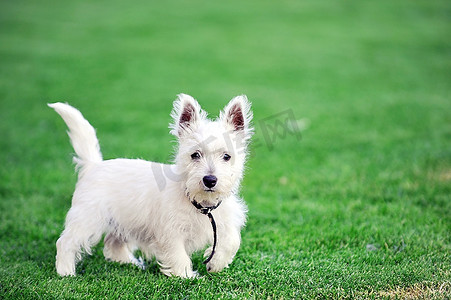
[[229, 240], [175, 261]]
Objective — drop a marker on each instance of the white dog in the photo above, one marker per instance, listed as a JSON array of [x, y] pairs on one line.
[[163, 210]]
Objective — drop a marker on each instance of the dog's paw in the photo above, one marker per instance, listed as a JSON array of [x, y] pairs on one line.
[[178, 271], [65, 269], [217, 263], [214, 266]]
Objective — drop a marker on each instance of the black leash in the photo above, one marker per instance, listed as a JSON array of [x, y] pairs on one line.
[[207, 211]]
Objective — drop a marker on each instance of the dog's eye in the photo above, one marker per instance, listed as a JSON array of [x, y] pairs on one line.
[[226, 157], [195, 155]]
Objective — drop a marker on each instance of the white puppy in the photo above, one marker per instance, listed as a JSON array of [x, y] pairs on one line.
[[166, 211]]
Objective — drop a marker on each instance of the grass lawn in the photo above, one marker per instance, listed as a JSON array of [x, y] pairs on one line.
[[359, 207]]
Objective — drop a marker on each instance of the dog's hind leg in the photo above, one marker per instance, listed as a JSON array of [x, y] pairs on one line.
[[116, 249], [66, 256], [79, 235]]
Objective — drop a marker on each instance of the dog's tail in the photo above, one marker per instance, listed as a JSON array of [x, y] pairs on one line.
[[82, 135]]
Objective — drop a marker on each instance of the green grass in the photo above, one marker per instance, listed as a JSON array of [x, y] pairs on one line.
[[359, 208]]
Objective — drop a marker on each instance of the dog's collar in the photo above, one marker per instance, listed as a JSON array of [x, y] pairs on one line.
[[207, 211], [204, 209]]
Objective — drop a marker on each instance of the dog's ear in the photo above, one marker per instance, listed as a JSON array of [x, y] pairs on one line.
[[238, 116], [185, 114]]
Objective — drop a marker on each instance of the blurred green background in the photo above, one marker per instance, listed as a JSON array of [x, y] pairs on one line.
[[359, 207]]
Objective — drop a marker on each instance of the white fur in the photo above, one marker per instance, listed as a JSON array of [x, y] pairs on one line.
[[147, 205]]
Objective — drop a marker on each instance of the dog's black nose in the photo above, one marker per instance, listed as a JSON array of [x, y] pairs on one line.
[[210, 181]]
